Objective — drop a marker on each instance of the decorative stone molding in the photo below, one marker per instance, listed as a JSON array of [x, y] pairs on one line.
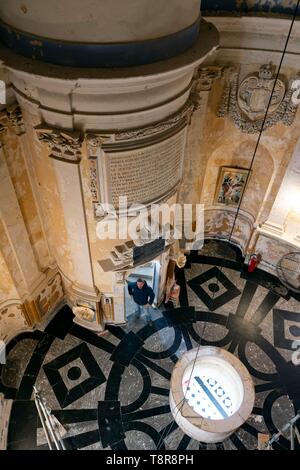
[[31, 312], [206, 76], [84, 313], [101, 211], [181, 260], [87, 314], [160, 127], [3, 123], [95, 141], [15, 118], [65, 145], [202, 82], [246, 103], [94, 180]]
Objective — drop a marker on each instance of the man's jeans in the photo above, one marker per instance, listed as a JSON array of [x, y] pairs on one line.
[[142, 310]]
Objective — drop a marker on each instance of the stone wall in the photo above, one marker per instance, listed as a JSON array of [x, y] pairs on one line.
[[268, 221], [30, 287], [55, 170]]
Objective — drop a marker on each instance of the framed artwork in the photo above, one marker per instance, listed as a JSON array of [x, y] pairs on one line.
[[230, 186]]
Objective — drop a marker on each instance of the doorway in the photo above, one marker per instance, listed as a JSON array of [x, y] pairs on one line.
[[151, 273]]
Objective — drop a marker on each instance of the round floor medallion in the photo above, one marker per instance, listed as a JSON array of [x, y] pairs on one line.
[[212, 394], [74, 373], [213, 287]]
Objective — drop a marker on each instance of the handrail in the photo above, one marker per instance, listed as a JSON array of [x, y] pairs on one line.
[[52, 436], [291, 425]]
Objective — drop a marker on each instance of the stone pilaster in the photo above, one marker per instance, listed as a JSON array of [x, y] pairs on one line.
[[65, 149], [31, 312], [286, 200], [195, 162], [24, 267]]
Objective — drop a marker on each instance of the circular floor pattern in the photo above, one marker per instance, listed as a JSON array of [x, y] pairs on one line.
[[92, 408]]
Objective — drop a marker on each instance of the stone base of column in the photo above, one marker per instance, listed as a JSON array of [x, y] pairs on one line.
[[85, 304], [93, 326]]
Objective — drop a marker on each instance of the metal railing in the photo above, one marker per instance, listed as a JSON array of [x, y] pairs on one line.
[[291, 426], [52, 433]]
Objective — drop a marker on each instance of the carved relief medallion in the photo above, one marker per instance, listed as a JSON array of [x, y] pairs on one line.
[[246, 103], [255, 92]]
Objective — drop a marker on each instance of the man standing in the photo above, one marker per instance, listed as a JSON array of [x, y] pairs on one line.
[[143, 296]]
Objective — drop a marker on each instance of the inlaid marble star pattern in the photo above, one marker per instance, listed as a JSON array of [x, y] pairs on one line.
[[112, 392]]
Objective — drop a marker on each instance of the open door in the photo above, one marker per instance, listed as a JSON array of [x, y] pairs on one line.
[[151, 273]]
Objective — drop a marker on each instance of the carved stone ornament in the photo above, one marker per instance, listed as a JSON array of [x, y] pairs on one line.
[[94, 180], [15, 118], [95, 141], [184, 113], [158, 128], [64, 144], [206, 76], [102, 210], [247, 102], [3, 123], [181, 260], [84, 313]]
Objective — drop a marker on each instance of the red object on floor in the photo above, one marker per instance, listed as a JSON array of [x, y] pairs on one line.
[[254, 260]]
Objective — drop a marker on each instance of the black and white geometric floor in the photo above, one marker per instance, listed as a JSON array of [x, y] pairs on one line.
[[112, 392]]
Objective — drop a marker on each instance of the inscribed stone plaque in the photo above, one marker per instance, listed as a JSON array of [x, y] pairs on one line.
[[145, 175]]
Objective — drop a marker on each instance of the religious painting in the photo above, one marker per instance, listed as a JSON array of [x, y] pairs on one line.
[[231, 185]]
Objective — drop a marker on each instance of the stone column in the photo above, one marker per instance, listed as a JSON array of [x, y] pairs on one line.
[[138, 119], [65, 150], [203, 81], [119, 298]]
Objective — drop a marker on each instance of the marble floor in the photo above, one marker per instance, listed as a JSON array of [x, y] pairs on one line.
[[112, 392]]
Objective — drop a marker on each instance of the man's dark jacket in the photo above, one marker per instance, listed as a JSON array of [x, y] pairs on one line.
[[141, 296]]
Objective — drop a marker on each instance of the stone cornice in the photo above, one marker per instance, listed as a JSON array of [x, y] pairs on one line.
[[202, 81]]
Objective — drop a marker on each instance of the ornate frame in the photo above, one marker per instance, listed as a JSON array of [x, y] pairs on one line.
[[222, 171]]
